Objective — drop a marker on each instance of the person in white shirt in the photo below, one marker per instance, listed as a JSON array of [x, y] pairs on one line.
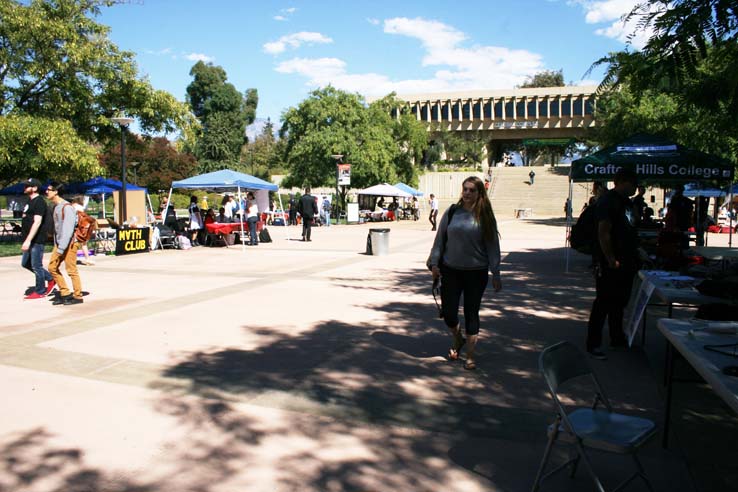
[[434, 211], [228, 205], [252, 217]]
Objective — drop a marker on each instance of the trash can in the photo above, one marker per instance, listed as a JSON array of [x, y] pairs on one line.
[[379, 241]]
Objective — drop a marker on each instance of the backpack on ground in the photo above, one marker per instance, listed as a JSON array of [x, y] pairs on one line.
[[183, 242], [86, 225], [264, 236], [583, 235]]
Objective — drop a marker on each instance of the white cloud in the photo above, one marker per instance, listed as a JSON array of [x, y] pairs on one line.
[[162, 52], [294, 41], [284, 14], [459, 68], [611, 12], [198, 57]]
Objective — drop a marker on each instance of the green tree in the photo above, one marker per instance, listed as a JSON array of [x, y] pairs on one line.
[[158, 162], [44, 148], [467, 149], [331, 122], [224, 114], [690, 63], [256, 155], [57, 64], [409, 135], [546, 78]]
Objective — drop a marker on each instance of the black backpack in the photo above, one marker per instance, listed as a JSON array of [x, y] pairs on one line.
[[264, 236], [583, 234]]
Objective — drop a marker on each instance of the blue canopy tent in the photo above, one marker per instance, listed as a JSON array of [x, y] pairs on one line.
[[98, 186], [226, 179], [18, 189], [408, 189]]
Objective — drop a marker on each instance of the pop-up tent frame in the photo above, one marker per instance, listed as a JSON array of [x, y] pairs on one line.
[[655, 160], [227, 179]]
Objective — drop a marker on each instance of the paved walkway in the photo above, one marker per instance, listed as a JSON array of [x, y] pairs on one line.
[[300, 367]]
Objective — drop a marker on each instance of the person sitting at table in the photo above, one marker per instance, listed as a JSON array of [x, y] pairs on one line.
[[210, 216], [221, 217], [380, 203]]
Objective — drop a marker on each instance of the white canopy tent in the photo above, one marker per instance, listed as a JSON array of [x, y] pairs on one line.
[[384, 189]]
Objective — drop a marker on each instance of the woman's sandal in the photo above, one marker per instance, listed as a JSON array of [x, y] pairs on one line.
[[470, 365], [453, 352]]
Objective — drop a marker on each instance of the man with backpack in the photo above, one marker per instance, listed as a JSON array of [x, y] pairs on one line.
[[65, 248], [615, 258]]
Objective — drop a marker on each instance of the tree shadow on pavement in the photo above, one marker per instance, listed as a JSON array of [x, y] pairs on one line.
[[376, 406], [32, 462]]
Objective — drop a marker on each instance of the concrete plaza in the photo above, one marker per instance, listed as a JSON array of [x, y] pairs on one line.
[[298, 366]]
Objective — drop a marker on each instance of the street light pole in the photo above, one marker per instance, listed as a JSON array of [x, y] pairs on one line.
[[123, 122]]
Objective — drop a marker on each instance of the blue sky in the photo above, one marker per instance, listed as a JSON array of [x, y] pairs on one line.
[[287, 49]]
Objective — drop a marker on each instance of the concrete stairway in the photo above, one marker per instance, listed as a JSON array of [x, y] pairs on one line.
[[510, 190]]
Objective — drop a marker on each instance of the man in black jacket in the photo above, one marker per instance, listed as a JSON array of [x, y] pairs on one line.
[[308, 209], [616, 262]]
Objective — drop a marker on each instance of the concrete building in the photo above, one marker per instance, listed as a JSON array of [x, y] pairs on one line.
[[505, 118]]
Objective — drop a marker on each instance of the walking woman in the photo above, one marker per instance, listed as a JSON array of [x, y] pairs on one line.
[[466, 248]]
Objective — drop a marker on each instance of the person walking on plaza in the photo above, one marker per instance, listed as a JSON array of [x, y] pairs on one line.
[[532, 177], [308, 209], [326, 211], [616, 262], [433, 211], [466, 248], [35, 226], [65, 248], [252, 217]]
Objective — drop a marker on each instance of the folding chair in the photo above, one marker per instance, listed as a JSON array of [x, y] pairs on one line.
[[167, 236], [593, 428]]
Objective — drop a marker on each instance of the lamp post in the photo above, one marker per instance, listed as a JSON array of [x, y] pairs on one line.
[[338, 158], [123, 123], [134, 166]]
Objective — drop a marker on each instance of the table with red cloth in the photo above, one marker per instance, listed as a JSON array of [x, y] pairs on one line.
[[230, 227]]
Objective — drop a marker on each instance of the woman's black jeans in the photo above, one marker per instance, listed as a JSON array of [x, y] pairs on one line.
[[472, 284]]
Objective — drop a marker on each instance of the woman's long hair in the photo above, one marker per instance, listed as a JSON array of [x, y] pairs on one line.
[[482, 209]]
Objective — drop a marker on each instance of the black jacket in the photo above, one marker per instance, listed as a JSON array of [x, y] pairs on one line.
[[307, 206]]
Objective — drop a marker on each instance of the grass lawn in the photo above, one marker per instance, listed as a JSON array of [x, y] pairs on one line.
[[14, 249]]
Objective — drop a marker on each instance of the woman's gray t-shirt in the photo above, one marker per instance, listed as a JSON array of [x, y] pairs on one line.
[[466, 248]]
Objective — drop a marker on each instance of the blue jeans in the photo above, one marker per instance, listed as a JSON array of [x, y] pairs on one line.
[[327, 217], [33, 260], [252, 229]]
